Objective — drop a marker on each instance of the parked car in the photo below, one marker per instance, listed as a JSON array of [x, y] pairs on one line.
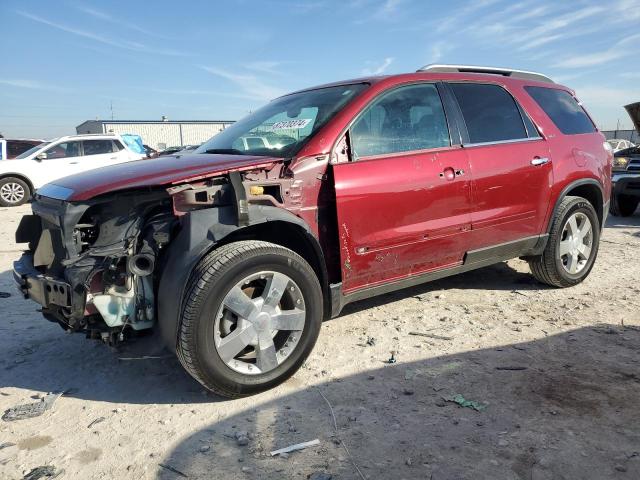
[[11, 148], [625, 190], [47, 161], [238, 255], [151, 152], [618, 144], [175, 150]]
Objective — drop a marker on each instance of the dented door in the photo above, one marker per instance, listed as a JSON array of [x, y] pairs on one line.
[[402, 215]]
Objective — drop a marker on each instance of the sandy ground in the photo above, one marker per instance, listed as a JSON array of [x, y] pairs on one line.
[[556, 370]]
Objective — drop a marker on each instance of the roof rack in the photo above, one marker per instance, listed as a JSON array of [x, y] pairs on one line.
[[506, 72]]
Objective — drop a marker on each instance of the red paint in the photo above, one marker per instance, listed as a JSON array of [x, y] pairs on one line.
[[396, 216]]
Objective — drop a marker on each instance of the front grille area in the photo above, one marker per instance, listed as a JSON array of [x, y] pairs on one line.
[[634, 165]]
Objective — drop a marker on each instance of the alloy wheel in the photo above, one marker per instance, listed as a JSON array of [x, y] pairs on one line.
[[259, 323], [12, 192], [576, 243]]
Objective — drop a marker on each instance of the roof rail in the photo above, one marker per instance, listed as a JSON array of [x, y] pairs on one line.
[[506, 72]]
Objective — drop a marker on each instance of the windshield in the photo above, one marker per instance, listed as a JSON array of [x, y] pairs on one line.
[[32, 150], [283, 126]]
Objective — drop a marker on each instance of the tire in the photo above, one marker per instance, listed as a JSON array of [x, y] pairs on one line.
[[206, 310], [13, 192], [623, 205], [556, 269]]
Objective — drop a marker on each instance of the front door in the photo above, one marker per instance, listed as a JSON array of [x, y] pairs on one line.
[[403, 197]]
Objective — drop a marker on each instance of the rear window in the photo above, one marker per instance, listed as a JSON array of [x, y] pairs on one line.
[[490, 113], [563, 110]]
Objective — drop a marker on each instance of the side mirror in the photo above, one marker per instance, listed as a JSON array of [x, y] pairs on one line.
[[41, 156]]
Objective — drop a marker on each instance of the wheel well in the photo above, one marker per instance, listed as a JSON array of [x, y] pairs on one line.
[[293, 237], [593, 194], [21, 177]]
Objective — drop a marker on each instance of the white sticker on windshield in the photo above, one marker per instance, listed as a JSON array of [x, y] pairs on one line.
[[291, 124]]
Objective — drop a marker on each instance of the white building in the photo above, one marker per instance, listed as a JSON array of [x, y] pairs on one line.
[[159, 134]]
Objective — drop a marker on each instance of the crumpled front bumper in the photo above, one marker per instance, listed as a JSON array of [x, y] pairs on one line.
[[45, 290]]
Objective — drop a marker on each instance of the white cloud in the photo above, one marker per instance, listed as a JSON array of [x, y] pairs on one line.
[[264, 66], [99, 14], [249, 84], [598, 58], [127, 45], [377, 69], [439, 50], [29, 84]]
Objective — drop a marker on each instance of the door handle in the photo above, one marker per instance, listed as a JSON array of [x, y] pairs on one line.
[[450, 174], [73, 163], [113, 158], [539, 161]]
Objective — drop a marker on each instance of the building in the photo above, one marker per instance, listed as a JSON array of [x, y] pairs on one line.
[[159, 134]]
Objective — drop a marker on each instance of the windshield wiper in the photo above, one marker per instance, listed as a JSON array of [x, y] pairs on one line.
[[228, 151]]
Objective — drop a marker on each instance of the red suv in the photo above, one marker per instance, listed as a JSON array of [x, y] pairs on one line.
[[236, 253]]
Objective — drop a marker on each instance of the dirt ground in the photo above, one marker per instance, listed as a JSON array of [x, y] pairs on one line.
[[555, 375]]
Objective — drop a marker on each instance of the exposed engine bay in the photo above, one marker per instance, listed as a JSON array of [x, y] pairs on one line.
[[95, 266]]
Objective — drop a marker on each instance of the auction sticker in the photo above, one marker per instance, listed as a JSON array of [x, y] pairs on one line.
[[291, 124]]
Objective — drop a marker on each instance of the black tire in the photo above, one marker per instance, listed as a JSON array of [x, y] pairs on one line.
[[623, 205], [15, 185], [548, 268], [210, 281]]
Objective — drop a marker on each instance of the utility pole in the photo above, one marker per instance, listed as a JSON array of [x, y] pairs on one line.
[[111, 109]]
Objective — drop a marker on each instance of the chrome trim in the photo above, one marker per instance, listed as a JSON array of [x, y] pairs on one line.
[[501, 142], [51, 190], [506, 72], [539, 161]]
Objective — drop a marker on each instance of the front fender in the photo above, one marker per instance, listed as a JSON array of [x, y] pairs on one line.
[[201, 231]]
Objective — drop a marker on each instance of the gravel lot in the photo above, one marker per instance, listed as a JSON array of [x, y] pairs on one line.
[[554, 373]]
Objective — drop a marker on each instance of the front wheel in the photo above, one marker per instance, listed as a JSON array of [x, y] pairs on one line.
[[572, 246], [251, 315], [13, 192]]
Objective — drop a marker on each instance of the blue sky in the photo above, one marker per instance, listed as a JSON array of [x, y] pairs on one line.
[[65, 62]]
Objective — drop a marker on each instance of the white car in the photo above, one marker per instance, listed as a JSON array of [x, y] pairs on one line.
[[618, 144], [21, 176]]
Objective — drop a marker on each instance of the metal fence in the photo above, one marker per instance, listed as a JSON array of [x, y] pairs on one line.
[[631, 135]]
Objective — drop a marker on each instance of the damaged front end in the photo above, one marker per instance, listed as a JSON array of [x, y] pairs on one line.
[[91, 264], [96, 266]]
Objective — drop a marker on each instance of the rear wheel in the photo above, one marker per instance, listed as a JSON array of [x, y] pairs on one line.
[[13, 192], [252, 313], [623, 205], [572, 246]]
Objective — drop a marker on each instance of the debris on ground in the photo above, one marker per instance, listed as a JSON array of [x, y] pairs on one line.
[[174, 470], [5, 294], [430, 335], [371, 341], [242, 438], [511, 367], [31, 410], [6, 445], [463, 402], [296, 447], [45, 471], [320, 476], [96, 421], [392, 359]]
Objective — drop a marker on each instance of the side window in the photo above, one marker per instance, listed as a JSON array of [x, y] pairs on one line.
[[563, 110], [406, 119], [490, 113], [97, 147], [117, 146], [63, 150]]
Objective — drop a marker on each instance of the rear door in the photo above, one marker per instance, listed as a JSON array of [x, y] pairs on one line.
[[403, 195], [510, 165], [100, 153]]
